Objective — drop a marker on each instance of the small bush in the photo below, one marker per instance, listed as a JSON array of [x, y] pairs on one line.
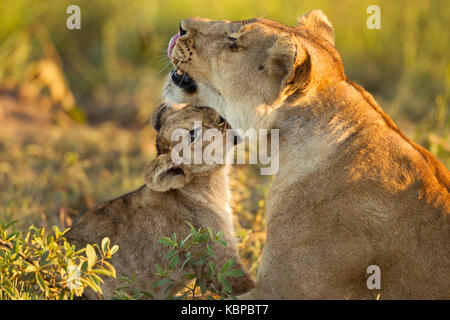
[[196, 251], [40, 266]]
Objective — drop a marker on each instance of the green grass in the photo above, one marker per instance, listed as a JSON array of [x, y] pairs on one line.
[[82, 137]]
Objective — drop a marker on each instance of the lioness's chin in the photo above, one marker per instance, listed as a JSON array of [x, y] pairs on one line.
[[184, 81], [182, 88]]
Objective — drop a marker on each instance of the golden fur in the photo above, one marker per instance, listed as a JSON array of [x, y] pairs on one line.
[[196, 193], [352, 190]]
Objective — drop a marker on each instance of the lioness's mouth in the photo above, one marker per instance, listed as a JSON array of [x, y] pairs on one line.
[[183, 80]]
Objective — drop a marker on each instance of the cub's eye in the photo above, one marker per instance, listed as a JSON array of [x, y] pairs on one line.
[[234, 47], [232, 38], [194, 135]]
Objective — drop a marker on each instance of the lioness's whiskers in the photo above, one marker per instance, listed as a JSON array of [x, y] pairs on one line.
[[185, 71], [164, 68], [178, 64]]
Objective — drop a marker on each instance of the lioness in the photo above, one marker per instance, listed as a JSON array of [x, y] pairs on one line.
[[352, 191], [173, 194]]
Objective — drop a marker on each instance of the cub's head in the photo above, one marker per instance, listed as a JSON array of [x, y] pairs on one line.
[[234, 66], [191, 141]]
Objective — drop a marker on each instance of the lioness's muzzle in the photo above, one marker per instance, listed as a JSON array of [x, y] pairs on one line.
[[184, 81]]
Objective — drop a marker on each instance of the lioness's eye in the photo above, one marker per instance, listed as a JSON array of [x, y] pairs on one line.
[[232, 38]]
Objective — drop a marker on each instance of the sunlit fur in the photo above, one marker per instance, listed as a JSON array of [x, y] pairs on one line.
[[172, 195], [351, 191]]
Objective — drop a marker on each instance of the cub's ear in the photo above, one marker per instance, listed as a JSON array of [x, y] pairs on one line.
[[317, 23], [157, 116], [162, 112], [162, 174], [289, 62]]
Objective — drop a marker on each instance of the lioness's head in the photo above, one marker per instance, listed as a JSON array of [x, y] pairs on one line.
[[241, 67], [192, 141]]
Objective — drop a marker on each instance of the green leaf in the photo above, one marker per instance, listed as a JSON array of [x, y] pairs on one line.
[[202, 260], [96, 279], [234, 273], [169, 287], [103, 272], [105, 244], [222, 242], [11, 236], [171, 253], [11, 224], [57, 232], [107, 265], [183, 296], [77, 115], [202, 286], [212, 267], [193, 231], [9, 291], [220, 277], [30, 268], [50, 239], [91, 255], [114, 249], [166, 241], [148, 294], [190, 276], [122, 278], [210, 234], [16, 247], [40, 281], [210, 251], [226, 286], [44, 257], [186, 261], [190, 225], [84, 266], [67, 246], [160, 283], [174, 262], [159, 268], [137, 296], [228, 265], [183, 242]]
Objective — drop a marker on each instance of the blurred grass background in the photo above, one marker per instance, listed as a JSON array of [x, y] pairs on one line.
[[74, 104]]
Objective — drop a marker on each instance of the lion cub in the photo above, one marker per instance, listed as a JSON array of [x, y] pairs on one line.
[[173, 194]]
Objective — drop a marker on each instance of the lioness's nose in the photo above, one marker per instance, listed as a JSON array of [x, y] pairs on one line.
[[186, 26], [183, 30]]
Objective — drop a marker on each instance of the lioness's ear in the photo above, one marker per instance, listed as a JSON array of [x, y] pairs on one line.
[[162, 174], [317, 23], [289, 61]]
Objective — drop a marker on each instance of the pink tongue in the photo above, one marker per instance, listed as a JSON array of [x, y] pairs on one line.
[[172, 42]]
